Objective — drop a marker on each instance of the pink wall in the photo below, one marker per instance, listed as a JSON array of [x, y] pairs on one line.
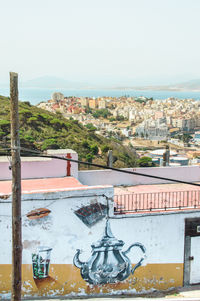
[[36, 167], [110, 177]]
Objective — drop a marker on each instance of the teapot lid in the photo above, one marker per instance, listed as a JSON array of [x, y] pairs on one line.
[[108, 239]]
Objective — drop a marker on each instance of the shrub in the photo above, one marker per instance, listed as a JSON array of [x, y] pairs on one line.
[[85, 144], [29, 138], [57, 124], [111, 119], [32, 119], [50, 143], [91, 127], [89, 158], [27, 103], [105, 148], [145, 162], [101, 113], [120, 118], [5, 125], [94, 149], [2, 133]]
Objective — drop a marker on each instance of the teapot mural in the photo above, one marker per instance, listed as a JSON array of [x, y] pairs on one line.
[[108, 264]]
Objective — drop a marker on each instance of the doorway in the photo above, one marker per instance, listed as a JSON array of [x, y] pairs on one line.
[[195, 260], [192, 252]]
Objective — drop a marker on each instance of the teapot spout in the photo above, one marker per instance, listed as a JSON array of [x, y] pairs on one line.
[[77, 262]]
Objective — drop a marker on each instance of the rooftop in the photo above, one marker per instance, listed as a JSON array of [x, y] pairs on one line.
[[25, 159], [60, 151], [155, 188], [156, 198], [160, 152], [42, 185]]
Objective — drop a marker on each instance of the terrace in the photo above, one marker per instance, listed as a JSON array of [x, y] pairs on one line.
[[156, 198]]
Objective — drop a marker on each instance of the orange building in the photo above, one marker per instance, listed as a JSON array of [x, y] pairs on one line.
[[93, 103]]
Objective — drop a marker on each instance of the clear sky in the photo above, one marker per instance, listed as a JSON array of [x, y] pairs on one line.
[[103, 41]]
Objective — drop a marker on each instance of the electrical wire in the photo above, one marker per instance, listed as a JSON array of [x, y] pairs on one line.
[[60, 198], [39, 154], [56, 199], [42, 155]]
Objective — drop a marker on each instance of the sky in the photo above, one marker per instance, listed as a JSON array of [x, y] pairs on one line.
[[117, 42]]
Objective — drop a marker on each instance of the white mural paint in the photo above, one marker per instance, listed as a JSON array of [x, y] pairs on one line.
[[60, 230], [108, 263], [63, 230]]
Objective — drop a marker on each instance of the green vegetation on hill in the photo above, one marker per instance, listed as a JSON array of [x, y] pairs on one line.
[[42, 130]]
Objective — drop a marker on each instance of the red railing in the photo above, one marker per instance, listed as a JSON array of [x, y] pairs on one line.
[[136, 202]]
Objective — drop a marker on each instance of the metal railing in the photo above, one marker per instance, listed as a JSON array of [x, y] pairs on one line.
[[156, 201]]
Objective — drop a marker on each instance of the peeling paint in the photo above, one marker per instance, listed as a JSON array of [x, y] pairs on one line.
[[30, 244]]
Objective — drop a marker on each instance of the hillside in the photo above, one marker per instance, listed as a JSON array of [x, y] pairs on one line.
[[190, 85], [41, 130]]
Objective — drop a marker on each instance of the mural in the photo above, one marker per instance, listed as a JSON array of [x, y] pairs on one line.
[[108, 263], [92, 213], [52, 232], [41, 262], [38, 213]]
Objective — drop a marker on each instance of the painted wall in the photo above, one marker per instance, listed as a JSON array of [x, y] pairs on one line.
[[66, 221], [35, 167], [110, 177]]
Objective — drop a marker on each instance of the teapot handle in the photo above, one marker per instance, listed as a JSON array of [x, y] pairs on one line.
[[137, 244]]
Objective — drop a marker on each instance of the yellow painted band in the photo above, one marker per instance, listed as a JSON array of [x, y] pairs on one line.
[[65, 279]]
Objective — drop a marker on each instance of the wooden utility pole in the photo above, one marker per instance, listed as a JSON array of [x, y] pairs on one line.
[[110, 159], [16, 190], [166, 156]]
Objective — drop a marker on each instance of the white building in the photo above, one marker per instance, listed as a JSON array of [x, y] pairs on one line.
[[65, 210]]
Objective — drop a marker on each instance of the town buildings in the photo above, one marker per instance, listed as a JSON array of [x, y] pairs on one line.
[[150, 119], [153, 129]]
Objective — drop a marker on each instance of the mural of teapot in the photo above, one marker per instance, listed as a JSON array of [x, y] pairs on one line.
[[108, 264]]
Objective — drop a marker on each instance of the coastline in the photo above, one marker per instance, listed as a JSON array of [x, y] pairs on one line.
[[37, 95]]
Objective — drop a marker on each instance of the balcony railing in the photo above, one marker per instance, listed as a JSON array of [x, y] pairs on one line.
[[156, 201]]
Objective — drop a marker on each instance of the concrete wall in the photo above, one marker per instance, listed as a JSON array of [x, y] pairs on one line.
[[35, 167], [110, 177], [160, 236]]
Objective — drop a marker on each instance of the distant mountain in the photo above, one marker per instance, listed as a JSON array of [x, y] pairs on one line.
[[52, 82], [56, 83], [192, 85]]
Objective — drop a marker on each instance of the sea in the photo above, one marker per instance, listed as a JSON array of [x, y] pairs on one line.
[[36, 95]]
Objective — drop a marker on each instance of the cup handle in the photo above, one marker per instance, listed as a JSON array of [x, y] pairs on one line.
[[139, 245]]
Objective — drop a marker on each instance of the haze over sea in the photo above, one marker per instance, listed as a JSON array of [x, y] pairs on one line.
[[35, 95]]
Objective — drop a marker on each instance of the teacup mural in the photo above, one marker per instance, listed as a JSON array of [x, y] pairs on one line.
[[41, 262], [108, 263]]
